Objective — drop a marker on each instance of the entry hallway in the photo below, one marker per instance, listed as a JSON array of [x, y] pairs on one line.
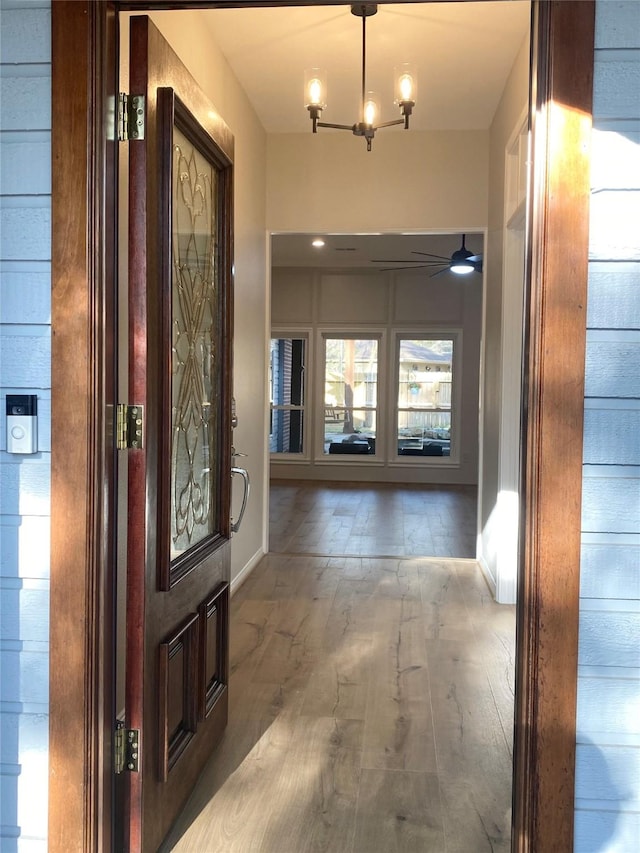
[[371, 710]]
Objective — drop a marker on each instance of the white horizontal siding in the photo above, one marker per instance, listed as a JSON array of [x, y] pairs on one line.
[[25, 734], [25, 229], [24, 604], [613, 295], [609, 706], [613, 364], [24, 547], [25, 98], [612, 437], [597, 829], [607, 816], [613, 225], [25, 168], [618, 24], [25, 357], [25, 367], [26, 484], [616, 84], [610, 638], [608, 773], [615, 153], [609, 568], [610, 501], [26, 35]]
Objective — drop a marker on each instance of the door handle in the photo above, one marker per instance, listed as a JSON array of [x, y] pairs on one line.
[[235, 525]]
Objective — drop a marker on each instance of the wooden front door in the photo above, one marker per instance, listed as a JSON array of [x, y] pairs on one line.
[[178, 552]]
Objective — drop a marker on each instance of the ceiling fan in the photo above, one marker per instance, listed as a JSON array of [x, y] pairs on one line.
[[461, 262]]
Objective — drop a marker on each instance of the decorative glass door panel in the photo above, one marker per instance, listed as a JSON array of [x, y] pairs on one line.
[[194, 369], [194, 374]]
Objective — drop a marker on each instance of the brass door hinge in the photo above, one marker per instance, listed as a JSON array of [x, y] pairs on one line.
[[126, 749], [129, 426], [131, 117]]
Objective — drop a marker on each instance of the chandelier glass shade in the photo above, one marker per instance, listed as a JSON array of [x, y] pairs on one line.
[[405, 90]]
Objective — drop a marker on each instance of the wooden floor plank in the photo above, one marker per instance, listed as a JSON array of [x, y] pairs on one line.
[[339, 685], [314, 799], [473, 759], [398, 812]]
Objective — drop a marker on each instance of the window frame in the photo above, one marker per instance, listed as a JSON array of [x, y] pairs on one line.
[[424, 334], [372, 332], [306, 335]]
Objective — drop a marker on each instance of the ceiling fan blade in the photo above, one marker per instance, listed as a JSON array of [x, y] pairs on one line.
[[429, 255], [446, 269], [393, 261], [475, 259], [391, 269]]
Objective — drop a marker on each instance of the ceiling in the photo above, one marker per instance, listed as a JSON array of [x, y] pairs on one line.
[[464, 52], [362, 250]]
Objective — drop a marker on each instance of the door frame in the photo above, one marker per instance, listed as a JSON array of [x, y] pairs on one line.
[[84, 86]]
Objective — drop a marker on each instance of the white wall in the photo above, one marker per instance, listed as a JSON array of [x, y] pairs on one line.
[[307, 299], [508, 115], [189, 35], [426, 181], [25, 314], [608, 737]]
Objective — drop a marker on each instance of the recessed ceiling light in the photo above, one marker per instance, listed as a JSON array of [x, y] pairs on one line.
[[318, 243]]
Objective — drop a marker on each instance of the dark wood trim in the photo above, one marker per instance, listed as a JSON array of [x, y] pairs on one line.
[[548, 603], [143, 5], [83, 392]]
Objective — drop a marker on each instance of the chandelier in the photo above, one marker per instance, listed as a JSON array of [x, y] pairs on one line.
[[315, 86]]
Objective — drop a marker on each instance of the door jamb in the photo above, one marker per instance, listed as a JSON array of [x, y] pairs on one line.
[[83, 394]]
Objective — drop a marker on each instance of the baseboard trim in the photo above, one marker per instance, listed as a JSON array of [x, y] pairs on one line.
[[245, 572], [486, 571]]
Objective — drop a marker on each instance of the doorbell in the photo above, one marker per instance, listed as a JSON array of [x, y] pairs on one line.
[[22, 423]]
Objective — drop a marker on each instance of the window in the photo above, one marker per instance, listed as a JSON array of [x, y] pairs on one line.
[[350, 395], [287, 394], [425, 377]]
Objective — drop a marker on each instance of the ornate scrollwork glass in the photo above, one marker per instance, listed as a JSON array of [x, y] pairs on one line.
[[194, 356]]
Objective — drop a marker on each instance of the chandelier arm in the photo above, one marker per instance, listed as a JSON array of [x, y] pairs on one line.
[[389, 123], [336, 126]]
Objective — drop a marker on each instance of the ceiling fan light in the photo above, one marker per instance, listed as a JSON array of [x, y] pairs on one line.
[[461, 267]]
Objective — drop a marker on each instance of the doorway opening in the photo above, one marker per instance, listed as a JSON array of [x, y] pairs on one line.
[[374, 379], [442, 328]]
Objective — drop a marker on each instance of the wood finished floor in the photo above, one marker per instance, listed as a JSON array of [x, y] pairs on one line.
[[372, 520], [371, 711]]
